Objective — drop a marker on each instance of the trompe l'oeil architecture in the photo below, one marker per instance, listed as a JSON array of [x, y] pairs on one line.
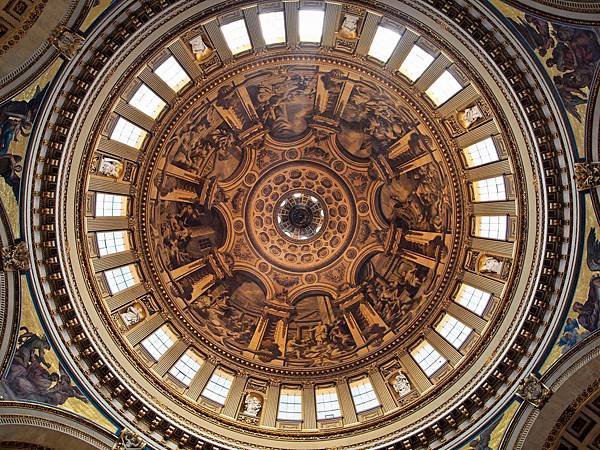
[[299, 225]]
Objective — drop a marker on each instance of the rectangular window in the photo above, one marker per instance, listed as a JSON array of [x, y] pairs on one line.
[[236, 36], [472, 298], [428, 358], [328, 406], [310, 22], [218, 387], [363, 395], [110, 242], [128, 133], [172, 74], [272, 25], [110, 204], [120, 278], [147, 101], [290, 404], [443, 88], [384, 43], [416, 62], [454, 331], [480, 153], [489, 190], [159, 342], [491, 227], [186, 367]]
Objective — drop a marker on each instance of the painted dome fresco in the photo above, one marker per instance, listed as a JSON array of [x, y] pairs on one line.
[[301, 225]]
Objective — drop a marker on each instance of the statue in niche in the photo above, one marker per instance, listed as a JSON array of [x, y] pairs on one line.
[[133, 314], [252, 405], [491, 265], [200, 49], [110, 167], [469, 116], [401, 384], [349, 29]]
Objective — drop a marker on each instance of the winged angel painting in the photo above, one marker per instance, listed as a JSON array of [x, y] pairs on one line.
[[587, 310]]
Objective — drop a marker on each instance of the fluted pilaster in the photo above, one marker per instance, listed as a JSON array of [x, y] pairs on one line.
[[235, 396], [144, 329], [416, 376], [170, 357], [346, 403], [384, 395], [199, 381], [269, 415]]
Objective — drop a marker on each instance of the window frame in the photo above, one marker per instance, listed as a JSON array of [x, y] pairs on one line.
[[147, 342], [300, 26], [176, 369], [370, 402], [385, 32], [338, 410], [218, 374], [435, 362]]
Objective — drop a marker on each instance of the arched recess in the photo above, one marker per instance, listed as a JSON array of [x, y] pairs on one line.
[[50, 427], [573, 380], [572, 11]]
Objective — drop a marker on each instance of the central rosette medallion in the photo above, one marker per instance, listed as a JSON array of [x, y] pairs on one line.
[[300, 215]]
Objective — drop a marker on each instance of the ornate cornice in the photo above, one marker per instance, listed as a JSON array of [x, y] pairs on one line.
[[532, 311]]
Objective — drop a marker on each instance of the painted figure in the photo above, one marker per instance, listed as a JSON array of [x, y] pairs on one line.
[[29, 378]]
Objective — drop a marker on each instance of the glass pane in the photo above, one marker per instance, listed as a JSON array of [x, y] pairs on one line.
[[110, 242], [428, 358], [110, 205], [128, 133], [310, 25], [236, 36], [363, 395], [491, 227], [384, 43], [454, 331], [186, 367], [443, 88], [158, 342], [328, 406], [147, 101], [416, 62], [172, 73], [480, 153], [120, 278], [490, 189], [218, 387], [273, 27], [472, 298], [290, 404]]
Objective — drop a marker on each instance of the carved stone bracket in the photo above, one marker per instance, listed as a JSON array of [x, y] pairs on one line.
[[67, 42], [587, 175], [533, 391], [128, 440], [15, 258]]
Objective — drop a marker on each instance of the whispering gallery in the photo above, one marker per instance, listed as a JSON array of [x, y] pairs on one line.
[[299, 224]]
